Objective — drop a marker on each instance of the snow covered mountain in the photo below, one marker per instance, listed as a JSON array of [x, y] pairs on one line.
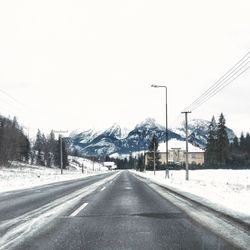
[[116, 140], [198, 131]]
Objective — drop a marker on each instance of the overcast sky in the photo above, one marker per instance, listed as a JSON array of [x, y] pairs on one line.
[[75, 64]]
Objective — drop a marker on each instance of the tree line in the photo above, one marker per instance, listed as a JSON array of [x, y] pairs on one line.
[[16, 146], [219, 152], [46, 151], [222, 153]]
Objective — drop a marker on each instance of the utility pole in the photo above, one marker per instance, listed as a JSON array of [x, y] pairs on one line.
[[144, 161], [60, 141], [167, 169], [186, 128], [61, 154], [144, 156], [154, 158]]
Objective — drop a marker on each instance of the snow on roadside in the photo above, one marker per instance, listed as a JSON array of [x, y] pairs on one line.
[[227, 189], [22, 176], [88, 165]]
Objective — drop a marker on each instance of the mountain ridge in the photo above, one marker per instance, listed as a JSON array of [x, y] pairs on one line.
[[117, 140]]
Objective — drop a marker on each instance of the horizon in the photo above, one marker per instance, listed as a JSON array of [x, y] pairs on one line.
[[32, 133]]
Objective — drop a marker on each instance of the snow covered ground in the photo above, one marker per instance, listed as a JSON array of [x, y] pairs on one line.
[[227, 190], [88, 165], [20, 175]]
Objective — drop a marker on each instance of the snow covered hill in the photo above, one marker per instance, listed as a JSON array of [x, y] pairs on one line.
[[117, 140]]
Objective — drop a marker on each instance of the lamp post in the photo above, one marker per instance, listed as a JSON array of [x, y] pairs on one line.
[[162, 86]]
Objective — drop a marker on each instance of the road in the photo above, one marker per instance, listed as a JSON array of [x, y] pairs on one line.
[[119, 212]]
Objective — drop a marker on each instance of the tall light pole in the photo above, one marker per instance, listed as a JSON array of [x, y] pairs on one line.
[[154, 157], [186, 128], [162, 86]]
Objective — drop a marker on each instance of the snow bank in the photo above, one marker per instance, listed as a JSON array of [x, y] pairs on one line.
[[21, 176], [228, 189]]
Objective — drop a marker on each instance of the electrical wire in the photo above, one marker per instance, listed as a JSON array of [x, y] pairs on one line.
[[11, 97], [218, 89], [222, 82]]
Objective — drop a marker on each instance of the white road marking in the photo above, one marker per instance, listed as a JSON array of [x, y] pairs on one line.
[[78, 210], [24, 226], [103, 188]]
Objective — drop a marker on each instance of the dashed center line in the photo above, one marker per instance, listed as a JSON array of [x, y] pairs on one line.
[[78, 210], [103, 188]]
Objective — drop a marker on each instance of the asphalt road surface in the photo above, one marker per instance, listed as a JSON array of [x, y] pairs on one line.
[[122, 213]]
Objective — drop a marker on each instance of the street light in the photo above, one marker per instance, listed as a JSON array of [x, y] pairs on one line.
[[162, 86]]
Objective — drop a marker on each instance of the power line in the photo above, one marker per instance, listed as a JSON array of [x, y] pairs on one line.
[[221, 87], [222, 79], [219, 82], [11, 97], [222, 82], [20, 104]]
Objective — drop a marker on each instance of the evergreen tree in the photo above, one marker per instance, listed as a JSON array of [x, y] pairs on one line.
[[153, 146], [125, 163], [235, 146], [140, 163], [222, 141], [52, 148], [24, 149], [56, 153], [242, 143], [38, 142], [211, 148], [76, 152], [15, 123], [236, 142], [65, 154], [14, 145], [131, 162], [38, 147], [247, 144], [45, 150]]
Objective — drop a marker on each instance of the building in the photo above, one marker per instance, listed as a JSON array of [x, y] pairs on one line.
[[110, 165], [177, 153]]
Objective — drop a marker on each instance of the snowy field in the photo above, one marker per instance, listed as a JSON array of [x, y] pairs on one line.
[[226, 189], [20, 176]]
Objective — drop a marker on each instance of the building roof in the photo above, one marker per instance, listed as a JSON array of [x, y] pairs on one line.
[[108, 163], [174, 143]]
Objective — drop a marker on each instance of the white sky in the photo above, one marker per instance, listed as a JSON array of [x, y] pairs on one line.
[[76, 64]]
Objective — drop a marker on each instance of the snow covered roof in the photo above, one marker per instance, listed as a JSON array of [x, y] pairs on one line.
[[174, 143], [108, 163]]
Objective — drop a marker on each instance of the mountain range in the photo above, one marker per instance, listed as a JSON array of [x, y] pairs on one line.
[[119, 141]]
